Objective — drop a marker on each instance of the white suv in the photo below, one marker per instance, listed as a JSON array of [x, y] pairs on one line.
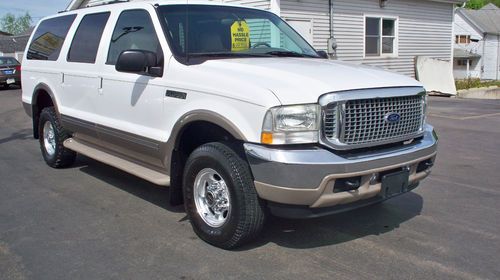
[[229, 106]]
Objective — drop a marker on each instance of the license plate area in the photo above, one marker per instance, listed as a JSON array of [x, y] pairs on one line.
[[10, 81], [395, 183]]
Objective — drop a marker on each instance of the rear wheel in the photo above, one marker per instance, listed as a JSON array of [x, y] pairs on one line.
[[52, 136], [220, 197]]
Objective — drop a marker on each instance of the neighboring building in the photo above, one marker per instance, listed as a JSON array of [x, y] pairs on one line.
[[477, 43], [388, 34], [14, 45]]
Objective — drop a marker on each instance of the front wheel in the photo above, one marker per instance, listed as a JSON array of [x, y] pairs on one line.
[[220, 197]]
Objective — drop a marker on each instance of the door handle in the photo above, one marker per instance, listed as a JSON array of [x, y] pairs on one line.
[[99, 85]]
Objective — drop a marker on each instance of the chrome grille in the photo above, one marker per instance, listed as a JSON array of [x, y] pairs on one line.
[[364, 120], [330, 120]]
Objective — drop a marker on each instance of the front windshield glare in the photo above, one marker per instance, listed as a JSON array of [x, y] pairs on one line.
[[206, 30]]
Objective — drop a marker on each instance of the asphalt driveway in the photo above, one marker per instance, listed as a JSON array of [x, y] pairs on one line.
[[92, 221]]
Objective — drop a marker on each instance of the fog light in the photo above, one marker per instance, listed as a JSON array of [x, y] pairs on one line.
[[424, 165], [347, 184]]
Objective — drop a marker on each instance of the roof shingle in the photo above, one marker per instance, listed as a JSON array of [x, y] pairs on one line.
[[487, 19]]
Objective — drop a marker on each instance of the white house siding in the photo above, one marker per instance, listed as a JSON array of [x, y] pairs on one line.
[[492, 53], [425, 29], [315, 10], [463, 27], [261, 4], [256, 27]]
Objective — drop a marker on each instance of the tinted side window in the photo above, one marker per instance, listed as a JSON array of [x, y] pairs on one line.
[[87, 38], [49, 38], [133, 31]]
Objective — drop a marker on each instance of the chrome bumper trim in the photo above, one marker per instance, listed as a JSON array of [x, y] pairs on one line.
[[305, 168]]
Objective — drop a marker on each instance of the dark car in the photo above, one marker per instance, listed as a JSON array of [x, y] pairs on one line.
[[10, 71]]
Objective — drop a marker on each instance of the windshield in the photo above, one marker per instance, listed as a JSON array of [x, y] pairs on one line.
[[222, 31]]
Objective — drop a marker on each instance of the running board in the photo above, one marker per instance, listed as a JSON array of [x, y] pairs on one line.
[[140, 171]]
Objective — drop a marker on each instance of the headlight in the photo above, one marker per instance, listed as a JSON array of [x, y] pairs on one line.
[[296, 124]]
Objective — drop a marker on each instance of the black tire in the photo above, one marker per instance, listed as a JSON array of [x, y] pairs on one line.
[[61, 157], [247, 215]]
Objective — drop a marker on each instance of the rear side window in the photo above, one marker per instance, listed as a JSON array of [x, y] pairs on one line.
[[49, 38], [87, 38], [134, 30]]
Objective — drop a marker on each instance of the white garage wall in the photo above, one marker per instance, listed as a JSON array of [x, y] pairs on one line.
[[425, 29], [316, 11], [491, 53]]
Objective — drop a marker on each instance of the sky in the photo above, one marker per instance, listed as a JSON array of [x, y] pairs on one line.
[[36, 8]]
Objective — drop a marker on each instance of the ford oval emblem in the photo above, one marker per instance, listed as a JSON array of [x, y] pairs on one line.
[[392, 117]]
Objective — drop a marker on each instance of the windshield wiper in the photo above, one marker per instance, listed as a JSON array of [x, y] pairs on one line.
[[289, 53]]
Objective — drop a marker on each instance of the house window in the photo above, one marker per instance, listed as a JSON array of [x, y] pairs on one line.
[[462, 39], [462, 62], [380, 36]]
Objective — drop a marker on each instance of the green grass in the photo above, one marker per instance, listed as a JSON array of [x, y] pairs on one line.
[[474, 83]]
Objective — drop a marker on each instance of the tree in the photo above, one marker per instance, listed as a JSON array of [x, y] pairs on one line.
[[15, 25], [478, 4]]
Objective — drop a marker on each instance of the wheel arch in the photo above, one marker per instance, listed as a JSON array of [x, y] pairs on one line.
[[207, 126], [43, 97]]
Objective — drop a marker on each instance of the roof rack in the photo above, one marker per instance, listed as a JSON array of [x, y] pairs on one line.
[[88, 6], [109, 2]]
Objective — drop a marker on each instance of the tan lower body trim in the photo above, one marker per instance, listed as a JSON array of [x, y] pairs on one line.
[[323, 196], [140, 171]]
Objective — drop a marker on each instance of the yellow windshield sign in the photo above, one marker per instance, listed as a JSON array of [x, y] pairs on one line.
[[240, 36]]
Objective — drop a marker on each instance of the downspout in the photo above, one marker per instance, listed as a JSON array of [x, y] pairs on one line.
[[498, 55], [331, 43], [482, 56], [330, 4]]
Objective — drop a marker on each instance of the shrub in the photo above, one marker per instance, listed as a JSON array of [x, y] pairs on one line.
[[474, 83]]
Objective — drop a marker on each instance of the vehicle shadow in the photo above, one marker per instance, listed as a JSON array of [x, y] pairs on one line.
[[11, 87], [339, 228], [298, 234], [19, 135], [149, 192]]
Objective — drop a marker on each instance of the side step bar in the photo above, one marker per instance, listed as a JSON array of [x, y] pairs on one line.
[[140, 171]]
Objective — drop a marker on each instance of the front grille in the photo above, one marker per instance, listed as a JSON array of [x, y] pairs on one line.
[[363, 121], [330, 120]]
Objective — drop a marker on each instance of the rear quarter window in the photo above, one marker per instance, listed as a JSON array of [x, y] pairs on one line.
[[49, 38], [87, 38]]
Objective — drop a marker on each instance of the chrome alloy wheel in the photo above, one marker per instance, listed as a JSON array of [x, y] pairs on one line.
[[211, 196], [49, 138]]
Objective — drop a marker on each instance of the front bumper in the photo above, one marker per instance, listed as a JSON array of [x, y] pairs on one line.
[[306, 176]]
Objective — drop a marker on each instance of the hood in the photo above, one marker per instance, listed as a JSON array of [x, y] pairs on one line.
[[297, 80]]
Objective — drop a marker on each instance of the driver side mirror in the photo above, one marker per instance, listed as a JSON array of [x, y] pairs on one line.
[[140, 62]]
